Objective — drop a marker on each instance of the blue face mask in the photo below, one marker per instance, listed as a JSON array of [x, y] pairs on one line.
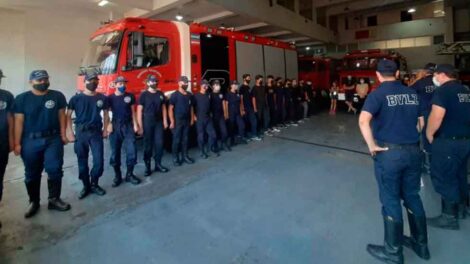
[[122, 89]]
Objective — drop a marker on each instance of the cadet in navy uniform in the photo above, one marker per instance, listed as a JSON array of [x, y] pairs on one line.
[[271, 103], [248, 107], [40, 127], [220, 114], [6, 131], [152, 118], [181, 114], [393, 110], [449, 132], [122, 129], [204, 125], [280, 102], [89, 133], [235, 113], [425, 90]]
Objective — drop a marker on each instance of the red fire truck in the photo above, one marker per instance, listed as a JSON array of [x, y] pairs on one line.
[[362, 64], [137, 47], [321, 71]]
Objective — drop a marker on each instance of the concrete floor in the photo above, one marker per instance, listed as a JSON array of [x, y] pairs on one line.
[[283, 200]]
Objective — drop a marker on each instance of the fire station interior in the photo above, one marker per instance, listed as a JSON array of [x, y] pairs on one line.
[[304, 194]]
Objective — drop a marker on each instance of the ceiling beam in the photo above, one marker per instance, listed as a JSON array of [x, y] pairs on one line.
[[251, 26], [311, 43], [294, 39], [275, 33], [215, 16]]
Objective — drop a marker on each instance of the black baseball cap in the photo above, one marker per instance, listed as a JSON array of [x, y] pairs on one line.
[[91, 76], [234, 82], [204, 82], [387, 66], [183, 79], [445, 68]]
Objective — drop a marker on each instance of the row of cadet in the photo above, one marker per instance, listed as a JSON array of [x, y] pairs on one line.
[[38, 123]]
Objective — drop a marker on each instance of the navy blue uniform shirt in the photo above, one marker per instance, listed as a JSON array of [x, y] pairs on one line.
[[41, 112], [6, 106], [182, 105], [233, 103], [279, 91], [217, 104], [88, 109], [455, 98], [121, 106], [202, 104], [152, 103], [425, 90], [247, 93], [270, 90], [395, 111]]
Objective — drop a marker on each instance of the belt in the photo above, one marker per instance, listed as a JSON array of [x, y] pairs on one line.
[[455, 138], [84, 128], [398, 146], [43, 134]]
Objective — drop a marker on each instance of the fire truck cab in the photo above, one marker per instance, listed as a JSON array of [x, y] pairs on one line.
[[137, 47], [321, 71], [362, 64]]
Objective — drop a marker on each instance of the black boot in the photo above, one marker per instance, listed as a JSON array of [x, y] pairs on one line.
[[86, 188], [226, 146], [130, 177], [392, 250], [215, 150], [448, 218], [55, 203], [418, 241], [203, 153], [95, 188], [148, 168], [463, 209], [176, 160], [33, 189], [117, 176], [187, 159], [160, 168]]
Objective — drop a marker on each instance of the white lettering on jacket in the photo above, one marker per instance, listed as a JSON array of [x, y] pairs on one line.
[[402, 99], [464, 98]]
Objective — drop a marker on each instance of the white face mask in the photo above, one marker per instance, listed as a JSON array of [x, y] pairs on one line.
[[362, 81], [436, 83], [216, 88]]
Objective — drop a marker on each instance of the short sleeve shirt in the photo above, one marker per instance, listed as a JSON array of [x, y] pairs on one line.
[[121, 106], [455, 99], [6, 107], [217, 104], [425, 89], [88, 109], [202, 104], [152, 104], [41, 112], [259, 92], [247, 94], [182, 104], [395, 111], [233, 103]]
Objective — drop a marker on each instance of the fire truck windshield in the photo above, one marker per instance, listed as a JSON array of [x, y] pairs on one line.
[[360, 63], [102, 53]]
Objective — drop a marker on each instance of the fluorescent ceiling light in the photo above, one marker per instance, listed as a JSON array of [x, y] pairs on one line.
[[307, 48], [103, 2], [411, 10], [179, 17]]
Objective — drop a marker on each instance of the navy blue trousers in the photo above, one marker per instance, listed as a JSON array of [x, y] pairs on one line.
[[86, 141], [123, 134], [250, 118], [398, 174], [153, 139], [4, 151], [449, 168], [236, 121], [40, 154], [180, 136], [221, 127], [205, 126]]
